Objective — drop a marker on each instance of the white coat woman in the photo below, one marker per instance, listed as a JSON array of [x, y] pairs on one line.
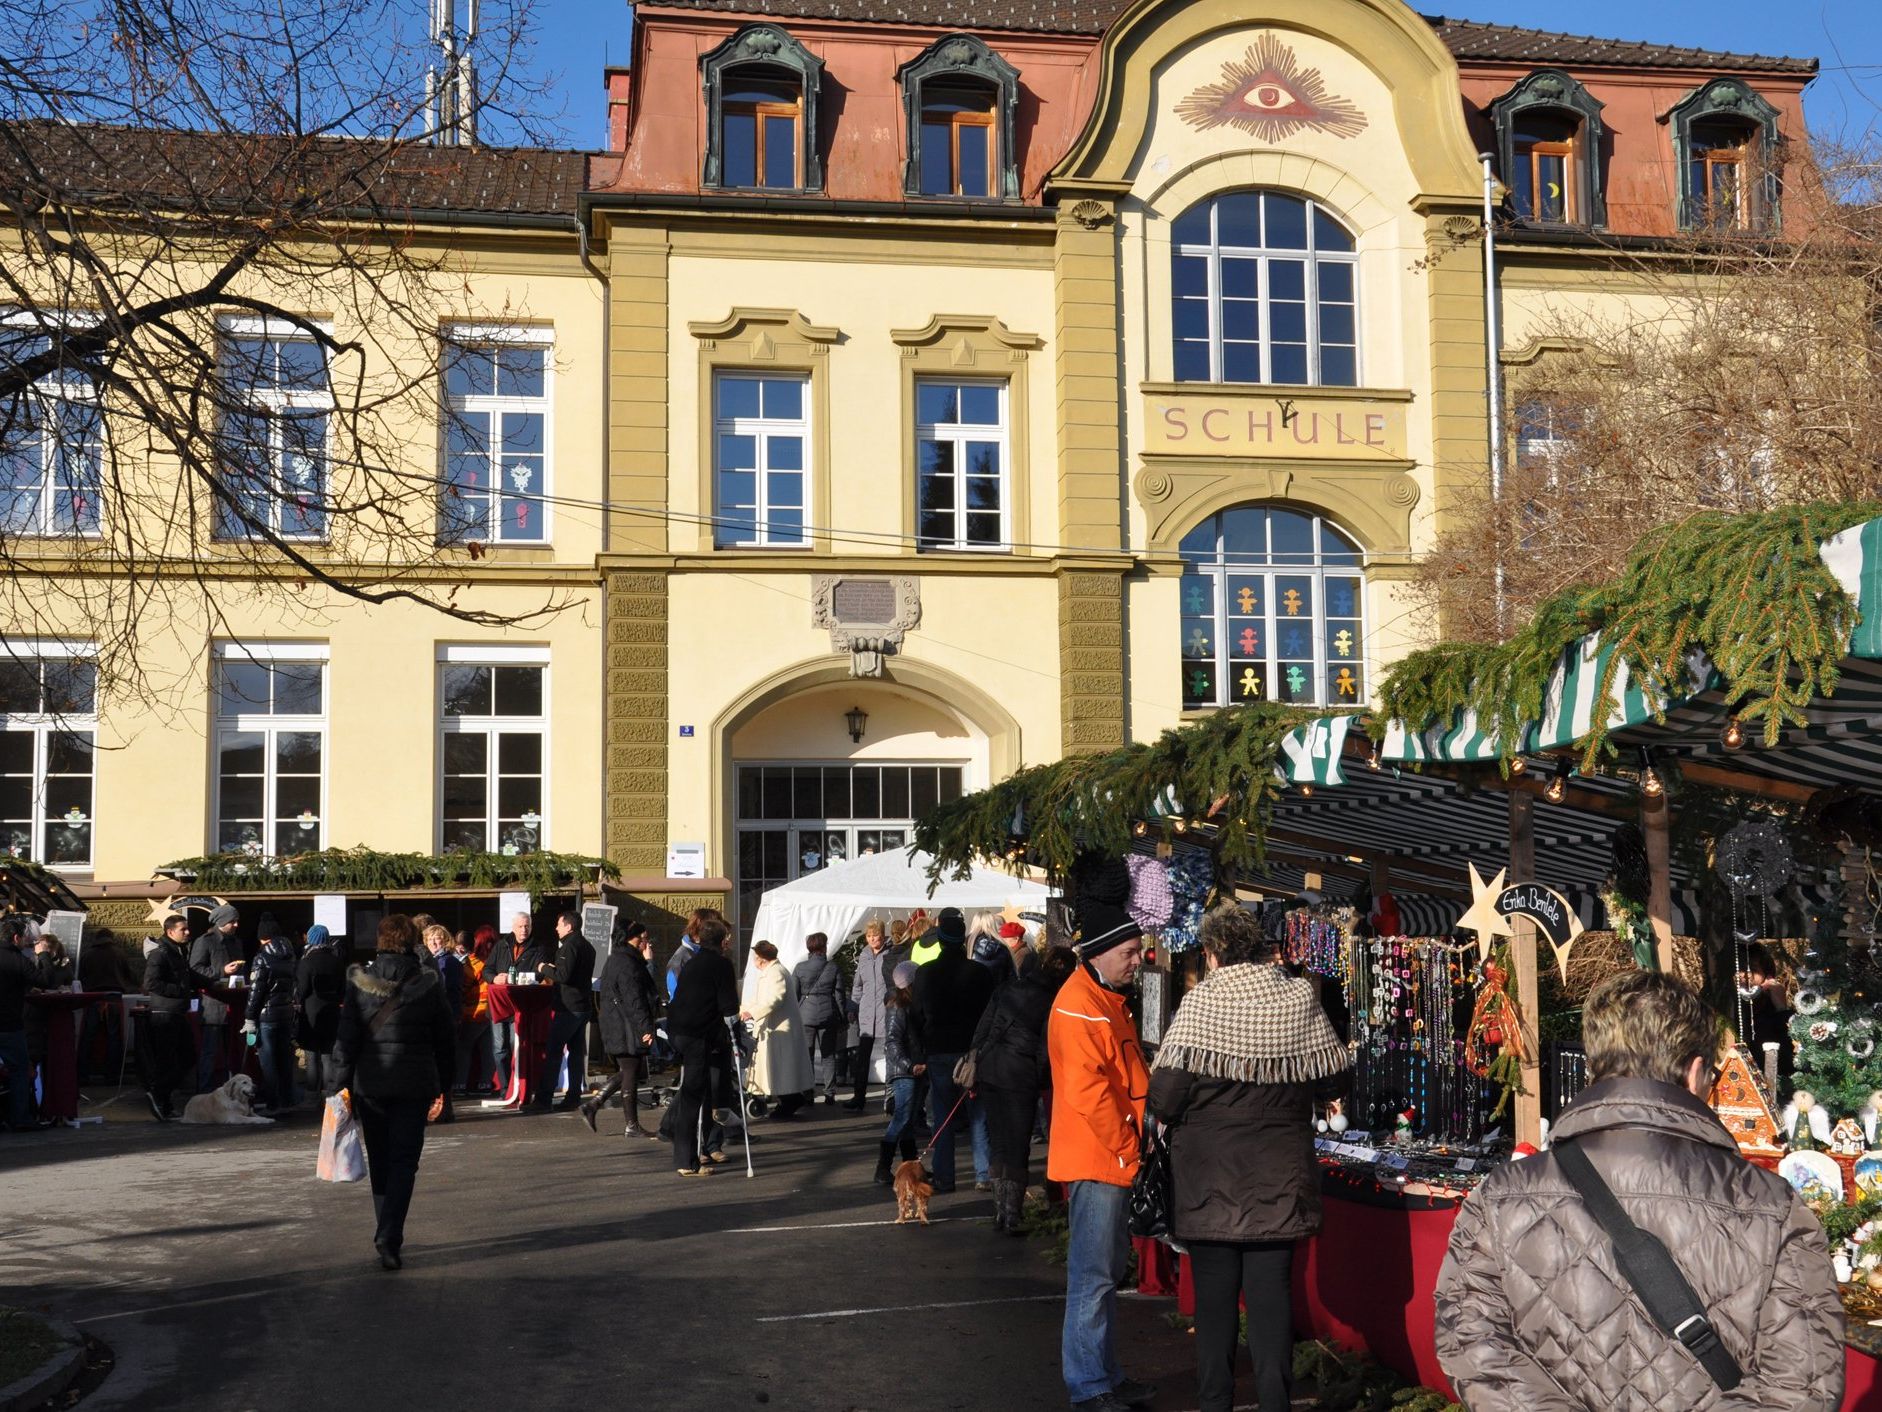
[[781, 1065]]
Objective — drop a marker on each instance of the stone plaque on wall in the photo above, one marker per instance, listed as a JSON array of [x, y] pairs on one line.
[[867, 615]]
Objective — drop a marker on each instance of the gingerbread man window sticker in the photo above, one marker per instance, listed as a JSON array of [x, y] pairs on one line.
[[1269, 95]]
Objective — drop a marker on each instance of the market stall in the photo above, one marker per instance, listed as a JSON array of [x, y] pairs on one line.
[[1693, 749], [839, 899]]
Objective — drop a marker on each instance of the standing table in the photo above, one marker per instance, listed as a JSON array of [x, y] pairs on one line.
[[59, 1081], [527, 1006]]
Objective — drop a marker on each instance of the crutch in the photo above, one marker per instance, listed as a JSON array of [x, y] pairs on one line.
[[738, 1079]]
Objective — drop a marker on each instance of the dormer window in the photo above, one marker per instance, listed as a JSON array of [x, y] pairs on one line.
[[960, 99], [957, 144], [1717, 183], [1725, 141], [1548, 130], [761, 108], [1542, 179], [761, 117]]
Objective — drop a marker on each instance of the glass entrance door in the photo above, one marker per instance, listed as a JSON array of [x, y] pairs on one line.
[[795, 819]]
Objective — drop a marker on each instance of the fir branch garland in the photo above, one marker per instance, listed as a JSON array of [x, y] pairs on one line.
[[368, 870], [1220, 768], [1751, 591]]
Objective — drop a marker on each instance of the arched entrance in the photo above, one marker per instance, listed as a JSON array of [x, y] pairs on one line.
[[799, 793]]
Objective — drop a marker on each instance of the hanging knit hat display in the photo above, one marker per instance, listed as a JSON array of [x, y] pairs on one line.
[[1151, 900], [1191, 877]]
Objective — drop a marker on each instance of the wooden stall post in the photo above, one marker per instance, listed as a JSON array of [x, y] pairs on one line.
[[1523, 954], [1653, 820]]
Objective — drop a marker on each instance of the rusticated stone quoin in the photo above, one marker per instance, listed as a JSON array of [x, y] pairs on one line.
[[1091, 660], [637, 724]]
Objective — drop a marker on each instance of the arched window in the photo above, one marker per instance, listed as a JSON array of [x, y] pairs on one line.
[[761, 108], [1264, 290], [1548, 130], [1273, 609], [960, 99], [1726, 141]]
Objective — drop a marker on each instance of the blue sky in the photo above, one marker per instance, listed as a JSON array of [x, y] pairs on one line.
[[576, 37]]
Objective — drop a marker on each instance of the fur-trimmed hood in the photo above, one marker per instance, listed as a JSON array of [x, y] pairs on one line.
[[388, 971]]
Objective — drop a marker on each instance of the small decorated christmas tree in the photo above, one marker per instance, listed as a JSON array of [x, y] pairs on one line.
[[1835, 1025]]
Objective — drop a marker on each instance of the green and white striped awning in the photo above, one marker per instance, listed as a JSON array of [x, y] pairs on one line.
[[1575, 699]]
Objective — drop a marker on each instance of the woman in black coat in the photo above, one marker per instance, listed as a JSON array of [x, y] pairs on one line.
[[319, 987], [628, 1001], [395, 1053], [1235, 1079], [1011, 1071]]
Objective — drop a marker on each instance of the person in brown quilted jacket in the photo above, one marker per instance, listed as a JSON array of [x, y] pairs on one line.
[[1532, 1314]]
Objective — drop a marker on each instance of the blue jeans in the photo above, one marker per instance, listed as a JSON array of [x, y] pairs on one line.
[[946, 1094], [902, 1096], [19, 1078], [275, 1040], [1097, 1257]]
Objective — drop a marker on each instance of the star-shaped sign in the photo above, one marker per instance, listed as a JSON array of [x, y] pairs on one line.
[[1483, 918]]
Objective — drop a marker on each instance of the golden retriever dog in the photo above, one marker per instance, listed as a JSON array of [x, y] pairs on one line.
[[233, 1103], [912, 1190]]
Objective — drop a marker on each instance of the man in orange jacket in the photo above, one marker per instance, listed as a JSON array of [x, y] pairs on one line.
[[1099, 1082]]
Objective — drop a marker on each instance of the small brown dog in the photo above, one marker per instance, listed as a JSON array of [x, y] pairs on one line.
[[912, 1190]]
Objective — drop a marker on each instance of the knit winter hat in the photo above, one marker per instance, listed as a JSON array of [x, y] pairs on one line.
[[1012, 931], [1100, 888], [951, 925], [904, 974], [224, 914]]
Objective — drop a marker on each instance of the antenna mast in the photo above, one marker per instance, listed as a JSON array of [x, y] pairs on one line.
[[451, 84]]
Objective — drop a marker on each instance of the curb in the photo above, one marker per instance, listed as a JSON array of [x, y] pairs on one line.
[[51, 1377]]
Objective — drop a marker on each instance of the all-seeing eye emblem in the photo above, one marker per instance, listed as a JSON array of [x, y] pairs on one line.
[[1269, 95]]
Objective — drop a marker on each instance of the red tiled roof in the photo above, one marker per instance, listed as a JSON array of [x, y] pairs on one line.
[[78, 161], [1467, 39]]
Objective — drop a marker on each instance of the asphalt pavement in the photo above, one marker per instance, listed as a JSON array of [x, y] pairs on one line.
[[546, 1268]]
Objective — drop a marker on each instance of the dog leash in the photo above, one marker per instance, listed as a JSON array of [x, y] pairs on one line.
[[935, 1136]]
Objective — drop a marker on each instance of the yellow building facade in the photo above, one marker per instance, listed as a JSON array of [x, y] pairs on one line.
[[915, 401]]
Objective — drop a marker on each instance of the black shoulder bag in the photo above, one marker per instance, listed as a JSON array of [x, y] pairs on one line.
[[1151, 1211], [1650, 1270]]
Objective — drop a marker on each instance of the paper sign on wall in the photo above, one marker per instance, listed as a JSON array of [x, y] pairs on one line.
[[330, 912], [686, 860], [508, 905]]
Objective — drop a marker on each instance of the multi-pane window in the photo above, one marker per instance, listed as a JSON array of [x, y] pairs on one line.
[[1264, 287], [496, 472], [493, 729], [1544, 184], [1544, 427], [52, 440], [760, 118], [1717, 177], [273, 433], [957, 146], [48, 723], [761, 429], [1272, 610], [271, 737], [961, 459]]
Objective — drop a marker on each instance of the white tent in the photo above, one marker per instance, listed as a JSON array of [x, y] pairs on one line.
[[839, 899]]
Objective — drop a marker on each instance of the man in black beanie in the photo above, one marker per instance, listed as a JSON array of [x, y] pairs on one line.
[[950, 993]]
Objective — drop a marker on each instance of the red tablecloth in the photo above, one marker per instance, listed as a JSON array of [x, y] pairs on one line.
[[1366, 1281], [237, 1056], [528, 1007], [59, 1079]]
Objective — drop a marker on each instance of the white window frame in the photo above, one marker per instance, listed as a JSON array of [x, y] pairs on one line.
[[514, 335], [762, 429], [1262, 255], [268, 725], [61, 387], [959, 434], [42, 724], [472, 655], [1220, 567], [271, 402]]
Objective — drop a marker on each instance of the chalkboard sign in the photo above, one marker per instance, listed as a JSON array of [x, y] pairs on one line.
[[69, 928], [598, 930]]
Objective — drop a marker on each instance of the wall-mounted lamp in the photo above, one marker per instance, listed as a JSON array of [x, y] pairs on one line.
[[856, 718]]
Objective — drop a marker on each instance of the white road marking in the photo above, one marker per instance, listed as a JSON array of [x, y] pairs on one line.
[[165, 1308], [909, 1308], [846, 1225]]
